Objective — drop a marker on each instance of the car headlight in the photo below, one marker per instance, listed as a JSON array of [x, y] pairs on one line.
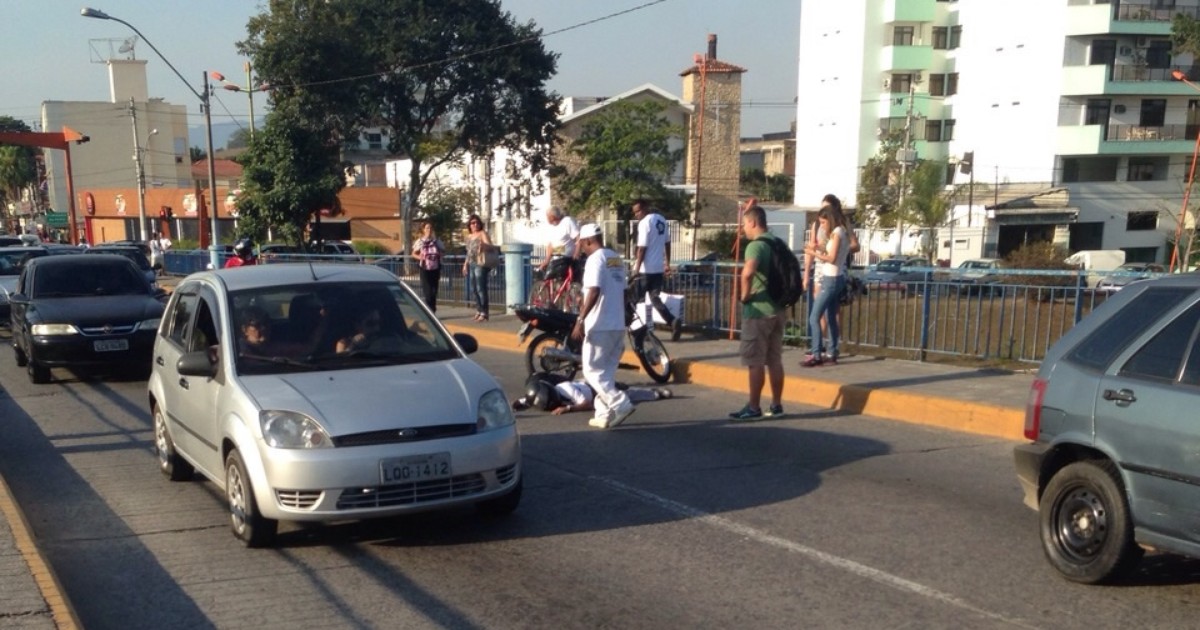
[[494, 412], [288, 429], [149, 324], [54, 329]]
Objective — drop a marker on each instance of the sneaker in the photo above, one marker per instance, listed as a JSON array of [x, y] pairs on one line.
[[746, 413], [663, 393], [621, 414], [600, 422], [812, 360], [676, 328], [774, 411]]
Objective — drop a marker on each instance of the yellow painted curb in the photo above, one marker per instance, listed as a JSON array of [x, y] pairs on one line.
[[47, 583], [946, 413]]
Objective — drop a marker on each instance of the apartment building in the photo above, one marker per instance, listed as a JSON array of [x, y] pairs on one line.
[[1078, 132]]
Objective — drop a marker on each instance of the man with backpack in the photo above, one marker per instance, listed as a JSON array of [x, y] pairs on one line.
[[763, 317]]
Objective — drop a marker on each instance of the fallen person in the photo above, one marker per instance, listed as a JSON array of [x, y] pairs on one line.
[[558, 395]]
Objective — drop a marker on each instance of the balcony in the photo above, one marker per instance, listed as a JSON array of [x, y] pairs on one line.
[[1125, 139], [1148, 12], [1096, 19], [906, 58], [908, 11], [1120, 79]]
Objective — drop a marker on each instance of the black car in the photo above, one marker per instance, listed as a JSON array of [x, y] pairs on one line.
[[83, 311]]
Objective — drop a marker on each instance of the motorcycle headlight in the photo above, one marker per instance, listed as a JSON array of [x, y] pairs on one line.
[[493, 411], [54, 329], [288, 429], [149, 324]]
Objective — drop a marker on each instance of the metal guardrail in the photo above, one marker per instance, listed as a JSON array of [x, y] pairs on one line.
[[1014, 316]]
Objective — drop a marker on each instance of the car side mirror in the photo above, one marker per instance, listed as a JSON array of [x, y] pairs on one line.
[[466, 342], [198, 363]]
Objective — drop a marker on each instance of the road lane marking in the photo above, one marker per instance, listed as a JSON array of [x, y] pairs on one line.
[[850, 566]]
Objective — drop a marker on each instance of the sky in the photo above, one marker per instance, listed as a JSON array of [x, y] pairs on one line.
[[49, 52]]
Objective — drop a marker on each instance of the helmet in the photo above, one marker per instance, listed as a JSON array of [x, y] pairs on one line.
[[540, 393], [243, 247]]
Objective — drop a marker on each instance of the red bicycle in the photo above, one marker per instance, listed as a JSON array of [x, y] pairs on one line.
[[559, 286]]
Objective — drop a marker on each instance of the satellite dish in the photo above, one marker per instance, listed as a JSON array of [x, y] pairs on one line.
[[127, 46]]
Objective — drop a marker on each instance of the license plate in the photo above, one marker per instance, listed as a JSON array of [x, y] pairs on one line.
[[416, 468], [110, 345]]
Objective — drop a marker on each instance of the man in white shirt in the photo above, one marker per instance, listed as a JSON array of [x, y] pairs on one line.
[[601, 326], [653, 262], [564, 237]]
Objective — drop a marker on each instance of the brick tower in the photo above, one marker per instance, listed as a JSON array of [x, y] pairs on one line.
[[714, 88]]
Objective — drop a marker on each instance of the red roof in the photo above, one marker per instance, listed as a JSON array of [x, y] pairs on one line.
[[225, 169], [713, 65]]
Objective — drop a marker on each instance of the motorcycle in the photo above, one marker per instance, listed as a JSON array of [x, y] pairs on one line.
[[553, 350]]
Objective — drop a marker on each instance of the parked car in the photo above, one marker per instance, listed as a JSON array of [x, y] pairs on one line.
[[131, 252], [83, 311], [333, 251], [277, 251], [11, 241], [143, 246], [980, 275], [398, 421], [1112, 464], [1127, 273], [12, 261], [896, 273], [703, 269]]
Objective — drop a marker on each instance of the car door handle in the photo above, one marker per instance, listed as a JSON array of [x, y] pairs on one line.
[[159, 360], [183, 382], [1122, 397]]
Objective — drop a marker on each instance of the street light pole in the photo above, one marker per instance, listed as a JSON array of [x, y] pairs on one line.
[[204, 102], [1187, 192], [249, 89]]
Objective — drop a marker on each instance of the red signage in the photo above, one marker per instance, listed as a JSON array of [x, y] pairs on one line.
[[89, 203]]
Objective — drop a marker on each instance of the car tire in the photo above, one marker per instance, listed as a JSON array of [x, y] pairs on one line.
[[170, 463], [248, 524], [38, 373], [502, 505], [1086, 528], [22, 360]]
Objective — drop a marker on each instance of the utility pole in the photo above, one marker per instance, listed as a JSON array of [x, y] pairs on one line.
[[904, 158], [141, 173]]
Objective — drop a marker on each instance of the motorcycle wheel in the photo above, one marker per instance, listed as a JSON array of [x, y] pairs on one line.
[[654, 359], [536, 361]]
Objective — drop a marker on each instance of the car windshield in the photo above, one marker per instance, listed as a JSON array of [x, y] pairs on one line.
[[12, 262], [104, 277], [976, 264], [891, 264], [132, 254], [323, 327]]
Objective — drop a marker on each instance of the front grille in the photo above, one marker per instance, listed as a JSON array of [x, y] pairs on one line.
[[405, 434], [506, 474], [298, 499], [96, 331], [411, 493]]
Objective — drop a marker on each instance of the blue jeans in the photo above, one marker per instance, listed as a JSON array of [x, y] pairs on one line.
[[826, 302], [479, 281]]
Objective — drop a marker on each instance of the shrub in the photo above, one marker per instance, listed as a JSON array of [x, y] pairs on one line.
[[1042, 256], [371, 248]]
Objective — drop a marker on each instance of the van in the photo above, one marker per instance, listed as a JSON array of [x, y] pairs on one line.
[[1096, 261]]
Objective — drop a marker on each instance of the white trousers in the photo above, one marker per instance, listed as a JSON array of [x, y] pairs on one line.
[[602, 351]]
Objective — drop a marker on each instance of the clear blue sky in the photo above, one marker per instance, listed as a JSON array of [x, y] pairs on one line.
[[46, 52]]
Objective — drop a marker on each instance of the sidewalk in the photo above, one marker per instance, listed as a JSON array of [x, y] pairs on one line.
[[983, 401]]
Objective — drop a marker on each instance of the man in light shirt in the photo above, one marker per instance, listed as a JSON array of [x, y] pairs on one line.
[[560, 250], [653, 262], [601, 327]]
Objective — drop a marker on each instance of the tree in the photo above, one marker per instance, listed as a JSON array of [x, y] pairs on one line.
[[925, 205], [878, 186], [442, 77], [239, 139], [767, 187], [624, 153], [196, 154], [18, 165], [288, 174]]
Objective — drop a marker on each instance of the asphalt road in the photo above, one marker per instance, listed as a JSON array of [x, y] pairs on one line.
[[679, 519]]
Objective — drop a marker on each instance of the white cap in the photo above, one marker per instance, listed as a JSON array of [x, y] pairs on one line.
[[589, 230]]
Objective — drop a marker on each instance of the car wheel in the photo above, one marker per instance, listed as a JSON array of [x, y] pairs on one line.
[[175, 467], [248, 525], [20, 354], [38, 373], [503, 505], [1086, 530]]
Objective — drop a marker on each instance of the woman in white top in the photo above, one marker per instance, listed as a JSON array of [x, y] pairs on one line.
[[830, 278]]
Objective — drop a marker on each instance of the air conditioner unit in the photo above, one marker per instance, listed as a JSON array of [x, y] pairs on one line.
[[1141, 42]]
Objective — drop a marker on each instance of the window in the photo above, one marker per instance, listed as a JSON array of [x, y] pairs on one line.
[[933, 131], [941, 38], [1159, 54], [1161, 357], [1103, 52], [900, 83], [1098, 349], [955, 36], [937, 85], [888, 125], [1140, 221], [952, 84], [374, 141], [1154, 112], [902, 36], [181, 317], [1140, 170], [948, 130], [205, 332]]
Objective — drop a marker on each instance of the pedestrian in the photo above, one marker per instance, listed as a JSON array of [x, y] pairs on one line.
[[558, 394], [243, 254], [477, 243], [818, 239], [652, 263], [829, 279], [601, 326], [428, 250], [762, 321], [562, 246]]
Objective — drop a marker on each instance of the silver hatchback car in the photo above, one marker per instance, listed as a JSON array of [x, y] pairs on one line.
[[325, 392], [1114, 464]]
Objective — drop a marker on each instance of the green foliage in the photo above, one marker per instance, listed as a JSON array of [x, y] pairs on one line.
[[289, 172], [625, 153], [18, 164], [926, 205], [1185, 35], [1040, 255], [722, 243], [767, 187], [195, 154], [447, 207], [370, 248], [240, 139], [877, 186]]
